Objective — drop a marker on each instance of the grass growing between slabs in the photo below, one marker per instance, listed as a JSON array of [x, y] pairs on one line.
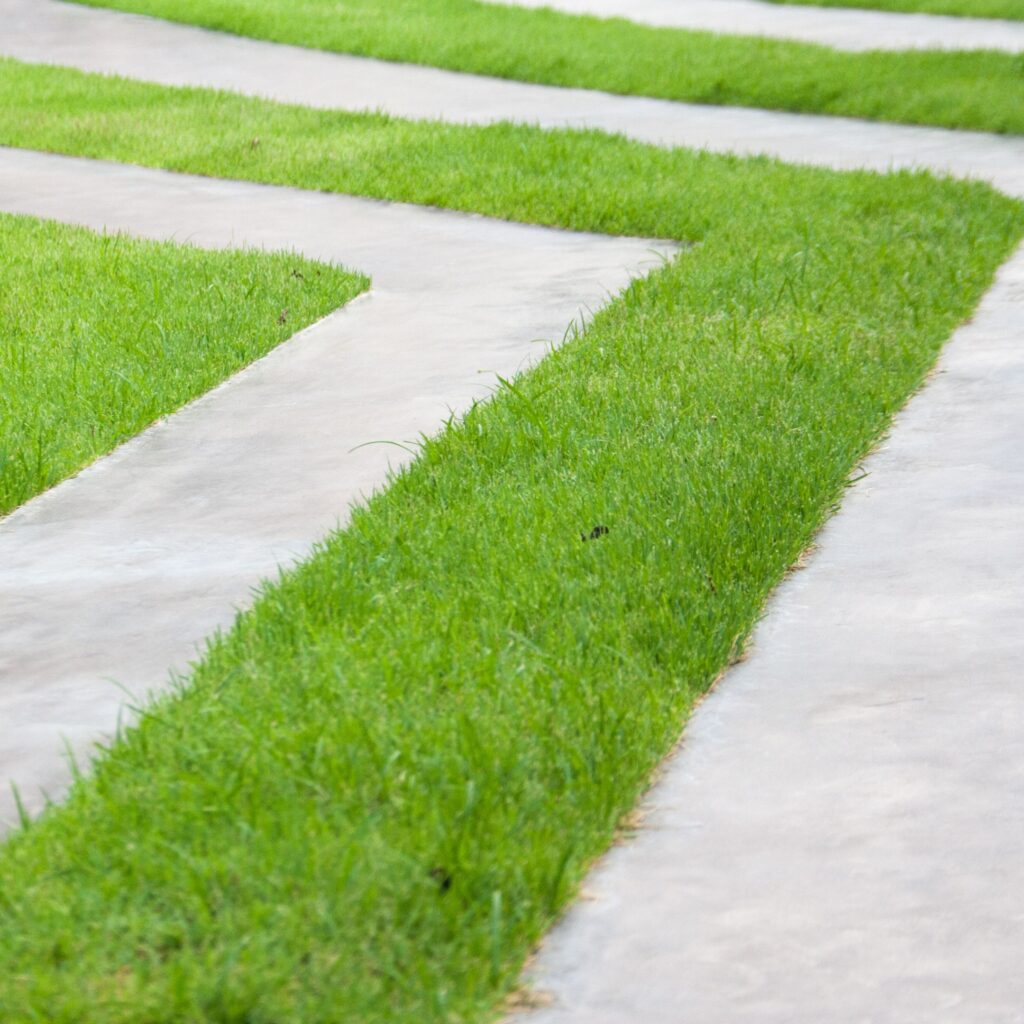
[[1010, 9], [980, 90], [103, 334], [378, 790]]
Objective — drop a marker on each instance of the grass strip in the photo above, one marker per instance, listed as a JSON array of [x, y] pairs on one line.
[[379, 788], [103, 334], [1012, 10], [979, 90], [582, 180]]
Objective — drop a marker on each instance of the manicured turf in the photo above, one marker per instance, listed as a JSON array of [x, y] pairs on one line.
[[1012, 9], [102, 335], [958, 90], [586, 181], [376, 792]]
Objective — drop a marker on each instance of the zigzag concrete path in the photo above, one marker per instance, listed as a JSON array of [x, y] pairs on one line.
[[117, 574], [839, 28], [840, 836]]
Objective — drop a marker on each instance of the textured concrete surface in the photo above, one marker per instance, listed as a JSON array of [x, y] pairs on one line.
[[841, 835], [840, 28], [111, 578], [113, 42]]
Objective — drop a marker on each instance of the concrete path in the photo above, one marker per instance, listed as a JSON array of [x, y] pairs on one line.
[[841, 836], [840, 28], [114, 576], [157, 51]]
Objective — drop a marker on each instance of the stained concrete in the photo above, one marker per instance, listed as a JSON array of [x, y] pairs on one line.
[[152, 50], [841, 835], [840, 28], [110, 579]]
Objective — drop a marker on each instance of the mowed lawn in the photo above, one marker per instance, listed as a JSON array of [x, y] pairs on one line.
[[979, 90], [376, 792], [103, 334], [1008, 9]]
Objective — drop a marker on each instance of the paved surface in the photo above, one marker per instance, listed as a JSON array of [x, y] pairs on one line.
[[114, 576], [145, 48], [840, 28], [841, 836]]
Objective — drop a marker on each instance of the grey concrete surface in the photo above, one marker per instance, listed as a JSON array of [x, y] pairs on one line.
[[840, 28], [111, 578], [840, 837], [145, 48]]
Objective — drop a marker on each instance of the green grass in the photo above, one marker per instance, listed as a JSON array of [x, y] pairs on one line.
[[377, 791], [1010, 9], [103, 334], [984, 91], [586, 181]]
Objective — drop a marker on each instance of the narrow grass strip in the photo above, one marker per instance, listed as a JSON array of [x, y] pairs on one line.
[[583, 180], [1012, 10], [980, 90], [103, 334], [378, 790]]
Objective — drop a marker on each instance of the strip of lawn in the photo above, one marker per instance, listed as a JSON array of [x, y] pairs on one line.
[[984, 91], [377, 791], [103, 334], [1010, 9]]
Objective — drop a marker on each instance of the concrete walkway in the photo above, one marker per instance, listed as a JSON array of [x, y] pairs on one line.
[[157, 51], [841, 28], [114, 576]]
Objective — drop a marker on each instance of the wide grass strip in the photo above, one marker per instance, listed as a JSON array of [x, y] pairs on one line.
[[102, 335], [376, 792]]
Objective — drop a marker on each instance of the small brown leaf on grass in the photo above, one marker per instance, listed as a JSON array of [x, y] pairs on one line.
[[443, 878], [284, 316], [120, 983], [528, 999], [631, 823], [804, 558]]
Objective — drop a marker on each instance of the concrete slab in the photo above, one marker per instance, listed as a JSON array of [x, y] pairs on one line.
[[840, 28], [841, 835], [151, 50], [111, 579]]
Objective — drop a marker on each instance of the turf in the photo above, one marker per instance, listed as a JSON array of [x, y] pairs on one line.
[[586, 181], [379, 788], [103, 334], [1009, 9], [984, 91]]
